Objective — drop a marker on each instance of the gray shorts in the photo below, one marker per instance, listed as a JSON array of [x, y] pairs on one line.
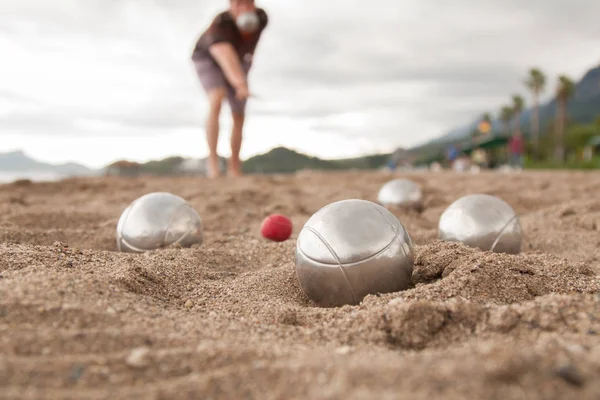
[[211, 77]]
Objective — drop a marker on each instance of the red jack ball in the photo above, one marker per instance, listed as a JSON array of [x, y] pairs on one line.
[[276, 227]]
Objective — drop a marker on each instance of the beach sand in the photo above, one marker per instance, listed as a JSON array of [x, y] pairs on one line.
[[228, 319]]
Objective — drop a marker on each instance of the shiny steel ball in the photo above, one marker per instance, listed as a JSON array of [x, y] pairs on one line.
[[158, 220], [248, 22], [482, 221], [401, 193], [352, 248]]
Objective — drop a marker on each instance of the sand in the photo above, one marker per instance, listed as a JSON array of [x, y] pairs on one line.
[[228, 319]]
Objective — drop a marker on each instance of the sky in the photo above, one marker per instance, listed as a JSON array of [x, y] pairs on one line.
[[95, 81]]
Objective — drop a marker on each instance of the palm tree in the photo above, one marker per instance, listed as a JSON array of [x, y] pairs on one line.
[[564, 91], [506, 115], [518, 105], [536, 82]]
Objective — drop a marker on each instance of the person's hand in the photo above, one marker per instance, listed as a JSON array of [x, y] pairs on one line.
[[242, 92]]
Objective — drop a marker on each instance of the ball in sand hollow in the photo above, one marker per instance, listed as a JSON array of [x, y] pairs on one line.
[[482, 221], [276, 227], [352, 248], [158, 220]]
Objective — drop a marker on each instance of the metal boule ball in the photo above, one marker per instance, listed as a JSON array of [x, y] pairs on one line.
[[482, 221], [157, 220], [248, 22], [401, 193], [352, 248]]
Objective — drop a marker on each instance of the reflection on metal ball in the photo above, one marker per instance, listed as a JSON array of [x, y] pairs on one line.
[[401, 193], [158, 220], [352, 248], [248, 22], [482, 221]]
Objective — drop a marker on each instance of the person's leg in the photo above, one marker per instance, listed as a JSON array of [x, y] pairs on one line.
[[235, 164], [215, 100], [521, 161], [214, 83], [238, 116]]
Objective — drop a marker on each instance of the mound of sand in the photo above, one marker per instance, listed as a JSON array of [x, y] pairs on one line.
[[228, 319]]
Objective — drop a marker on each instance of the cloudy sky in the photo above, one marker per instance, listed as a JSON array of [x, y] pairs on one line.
[[94, 81]]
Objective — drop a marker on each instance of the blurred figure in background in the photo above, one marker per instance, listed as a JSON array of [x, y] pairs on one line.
[[462, 163], [391, 165], [516, 147], [479, 157], [452, 154], [223, 57]]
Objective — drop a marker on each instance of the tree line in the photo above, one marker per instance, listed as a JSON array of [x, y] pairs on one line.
[[510, 114]]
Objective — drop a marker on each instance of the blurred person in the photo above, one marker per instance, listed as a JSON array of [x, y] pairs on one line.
[[222, 58], [392, 165], [452, 154], [516, 147], [462, 163], [435, 167], [479, 158]]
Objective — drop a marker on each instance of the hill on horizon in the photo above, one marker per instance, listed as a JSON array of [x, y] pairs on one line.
[[284, 160], [18, 161]]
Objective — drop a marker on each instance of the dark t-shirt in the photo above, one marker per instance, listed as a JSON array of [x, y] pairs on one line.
[[224, 29]]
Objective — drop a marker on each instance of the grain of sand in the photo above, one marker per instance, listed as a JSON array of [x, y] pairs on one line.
[[228, 320]]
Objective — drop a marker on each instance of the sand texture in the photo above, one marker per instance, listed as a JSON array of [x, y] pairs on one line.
[[228, 319]]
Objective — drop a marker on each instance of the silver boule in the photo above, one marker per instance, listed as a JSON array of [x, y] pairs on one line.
[[401, 193], [352, 248], [248, 22], [158, 220], [482, 221]]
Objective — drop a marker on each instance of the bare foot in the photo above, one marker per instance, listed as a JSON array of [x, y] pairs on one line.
[[213, 171], [212, 175], [234, 173], [234, 168]]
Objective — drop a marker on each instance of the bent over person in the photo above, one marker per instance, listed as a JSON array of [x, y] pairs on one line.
[[223, 57]]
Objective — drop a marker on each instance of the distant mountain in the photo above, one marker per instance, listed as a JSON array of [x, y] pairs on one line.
[[278, 160], [284, 160], [18, 161], [583, 108]]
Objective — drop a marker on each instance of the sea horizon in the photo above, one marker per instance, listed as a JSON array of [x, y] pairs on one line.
[[35, 176]]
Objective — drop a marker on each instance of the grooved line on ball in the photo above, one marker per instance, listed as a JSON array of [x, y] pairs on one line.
[[132, 247], [396, 235], [128, 211], [357, 261], [388, 222], [317, 234], [169, 224], [502, 231], [180, 239]]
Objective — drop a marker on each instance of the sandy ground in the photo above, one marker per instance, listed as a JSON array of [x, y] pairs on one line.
[[228, 320]]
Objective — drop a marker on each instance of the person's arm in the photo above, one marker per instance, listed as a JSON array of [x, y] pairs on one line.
[[227, 58]]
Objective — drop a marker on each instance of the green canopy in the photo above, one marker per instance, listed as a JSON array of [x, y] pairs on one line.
[[489, 143], [466, 145]]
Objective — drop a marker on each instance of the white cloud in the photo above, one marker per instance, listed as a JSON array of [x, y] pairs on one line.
[[101, 80]]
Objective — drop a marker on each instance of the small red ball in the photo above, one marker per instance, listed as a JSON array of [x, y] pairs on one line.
[[276, 227]]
